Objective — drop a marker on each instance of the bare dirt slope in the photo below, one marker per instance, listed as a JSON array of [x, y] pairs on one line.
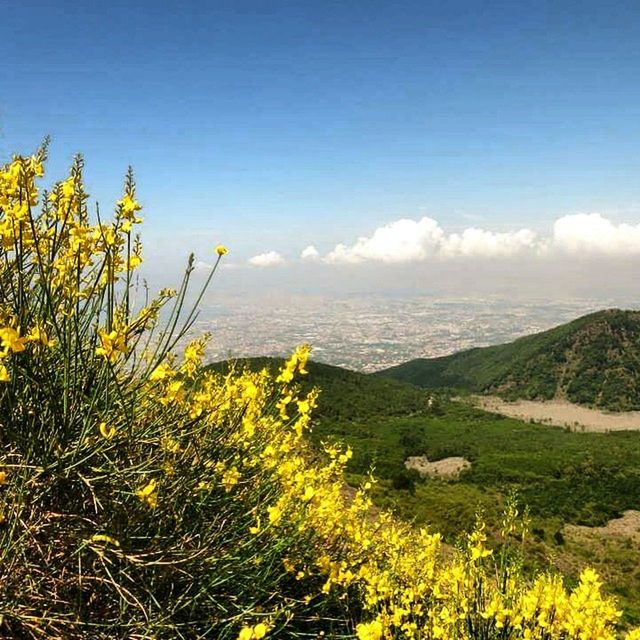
[[447, 467], [561, 414], [627, 526]]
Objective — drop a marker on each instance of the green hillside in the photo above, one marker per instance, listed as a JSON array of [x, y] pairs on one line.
[[348, 395], [594, 360]]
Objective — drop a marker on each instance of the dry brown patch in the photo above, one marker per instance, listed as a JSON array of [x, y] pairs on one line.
[[447, 467], [627, 526], [561, 413]]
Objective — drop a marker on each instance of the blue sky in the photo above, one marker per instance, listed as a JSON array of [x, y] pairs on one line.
[[276, 125]]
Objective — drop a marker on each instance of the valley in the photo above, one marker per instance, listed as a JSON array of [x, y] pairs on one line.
[[571, 484]]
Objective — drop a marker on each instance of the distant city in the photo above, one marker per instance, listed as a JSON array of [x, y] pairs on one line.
[[368, 333]]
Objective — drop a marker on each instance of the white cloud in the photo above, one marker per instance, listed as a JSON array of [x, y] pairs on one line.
[[310, 253], [414, 240], [593, 233], [400, 241], [267, 259], [474, 242]]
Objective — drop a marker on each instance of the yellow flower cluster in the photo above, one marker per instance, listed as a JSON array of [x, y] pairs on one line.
[[149, 494], [11, 341], [73, 254], [256, 632]]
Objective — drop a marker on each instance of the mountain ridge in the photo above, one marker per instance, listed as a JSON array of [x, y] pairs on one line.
[[593, 360]]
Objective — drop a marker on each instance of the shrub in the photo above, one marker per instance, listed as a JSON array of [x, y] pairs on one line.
[[406, 479]]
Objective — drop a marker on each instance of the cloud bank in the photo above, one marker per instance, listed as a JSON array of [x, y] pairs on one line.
[[593, 233], [408, 240]]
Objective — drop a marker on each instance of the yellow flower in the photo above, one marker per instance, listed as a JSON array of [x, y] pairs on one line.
[[149, 493], [202, 486], [230, 478], [107, 431], [161, 372], [170, 445], [11, 340], [257, 632], [369, 630], [3, 477], [4, 374], [255, 530], [134, 262], [40, 335], [221, 250], [112, 345], [479, 551], [303, 406], [275, 513], [129, 206]]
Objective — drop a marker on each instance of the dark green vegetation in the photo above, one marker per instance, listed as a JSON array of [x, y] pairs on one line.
[[574, 478], [594, 360], [581, 478]]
